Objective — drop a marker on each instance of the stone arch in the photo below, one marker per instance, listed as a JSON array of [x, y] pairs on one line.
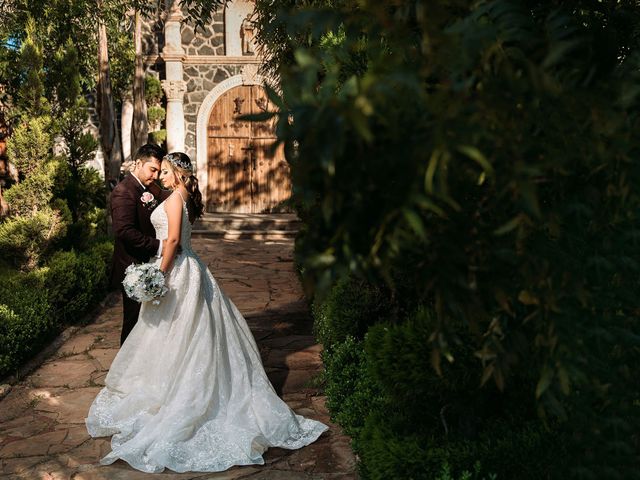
[[249, 76]]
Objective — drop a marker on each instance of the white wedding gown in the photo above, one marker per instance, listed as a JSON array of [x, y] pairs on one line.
[[187, 390]]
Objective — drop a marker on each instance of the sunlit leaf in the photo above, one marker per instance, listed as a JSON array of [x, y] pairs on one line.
[[509, 226]]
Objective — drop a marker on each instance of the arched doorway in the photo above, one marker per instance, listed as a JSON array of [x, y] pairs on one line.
[[244, 174]]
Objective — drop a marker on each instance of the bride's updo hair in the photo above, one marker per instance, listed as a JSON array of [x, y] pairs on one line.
[[181, 165]]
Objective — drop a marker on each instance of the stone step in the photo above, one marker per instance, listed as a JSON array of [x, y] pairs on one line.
[[245, 234], [235, 226]]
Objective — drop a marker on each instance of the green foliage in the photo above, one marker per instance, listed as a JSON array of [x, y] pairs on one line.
[[397, 352], [34, 306], [8, 320], [103, 250], [75, 281], [32, 194], [91, 227], [25, 320], [80, 145], [152, 92], [30, 144], [156, 115], [38, 222], [24, 240], [158, 137], [60, 274], [445, 474], [84, 188], [30, 98], [435, 145], [66, 76], [122, 66], [36, 191], [352, 393], [348, 310], [523, 451]]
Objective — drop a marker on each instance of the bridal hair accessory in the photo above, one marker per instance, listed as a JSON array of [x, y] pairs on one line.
[[144, 282], [180, 159]]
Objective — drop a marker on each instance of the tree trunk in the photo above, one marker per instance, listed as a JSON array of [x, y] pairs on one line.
[[4, 206], [109, 138], [139, 128], [126, 125]]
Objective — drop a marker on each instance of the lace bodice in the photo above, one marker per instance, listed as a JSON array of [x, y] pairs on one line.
[[160, 222]]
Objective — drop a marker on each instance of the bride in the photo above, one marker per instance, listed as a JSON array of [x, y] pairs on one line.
[[187, 390]]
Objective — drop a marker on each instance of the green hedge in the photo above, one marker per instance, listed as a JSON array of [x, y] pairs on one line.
[[348, 310], [407, 421], [34, 306]]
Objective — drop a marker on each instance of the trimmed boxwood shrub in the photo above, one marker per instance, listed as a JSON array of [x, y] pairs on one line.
[[348, 310], [407, 421], [25, 320], [34, 306], [352, 393]]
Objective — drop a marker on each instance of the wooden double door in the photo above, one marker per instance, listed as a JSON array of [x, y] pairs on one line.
[[245, 174]]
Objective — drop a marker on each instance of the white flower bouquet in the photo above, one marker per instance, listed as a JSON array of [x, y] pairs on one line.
[[144, 282]]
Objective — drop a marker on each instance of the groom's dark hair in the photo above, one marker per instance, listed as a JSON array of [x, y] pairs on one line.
[[148, 151]]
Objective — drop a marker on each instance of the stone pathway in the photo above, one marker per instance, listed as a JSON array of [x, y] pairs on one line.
[[42, 432]]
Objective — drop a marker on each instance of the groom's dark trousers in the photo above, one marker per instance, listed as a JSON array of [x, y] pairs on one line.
[[135, 240]]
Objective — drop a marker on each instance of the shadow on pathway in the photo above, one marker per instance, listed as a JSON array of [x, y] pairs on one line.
[[42, 432]]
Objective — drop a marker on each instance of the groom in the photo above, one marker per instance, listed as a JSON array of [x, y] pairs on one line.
[[132, 201]]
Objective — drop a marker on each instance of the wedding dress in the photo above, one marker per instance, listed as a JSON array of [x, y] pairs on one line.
[[187, 390]]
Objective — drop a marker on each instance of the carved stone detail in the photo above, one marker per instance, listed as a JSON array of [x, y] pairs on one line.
[[247, 35], [250, 75], [174, 89]]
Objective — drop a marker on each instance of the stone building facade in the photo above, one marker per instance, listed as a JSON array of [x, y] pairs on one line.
[[198, 69]]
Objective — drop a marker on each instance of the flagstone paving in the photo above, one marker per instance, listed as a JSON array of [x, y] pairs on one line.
[[42, 432]]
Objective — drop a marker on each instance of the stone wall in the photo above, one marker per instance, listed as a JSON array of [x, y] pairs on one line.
[[213, 43], [209, 41], [200, 81], [152, 36]]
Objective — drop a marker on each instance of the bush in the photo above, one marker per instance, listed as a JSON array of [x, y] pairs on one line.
[[25, 240], [445, 474], [158, 137], [90, 279], [8, 356], [34, 193], [30, 144], [155, 115], [152, 90], [35, 305], [61, 283], [352, 393], [104, 251], [510, 450], [87, 229], [438, 145], [26, 323], [349, 308]]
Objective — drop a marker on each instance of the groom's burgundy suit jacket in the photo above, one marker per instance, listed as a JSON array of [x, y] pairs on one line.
[[135, 240]]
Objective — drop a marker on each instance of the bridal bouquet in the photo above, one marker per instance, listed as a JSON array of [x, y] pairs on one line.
[[144, 282]]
